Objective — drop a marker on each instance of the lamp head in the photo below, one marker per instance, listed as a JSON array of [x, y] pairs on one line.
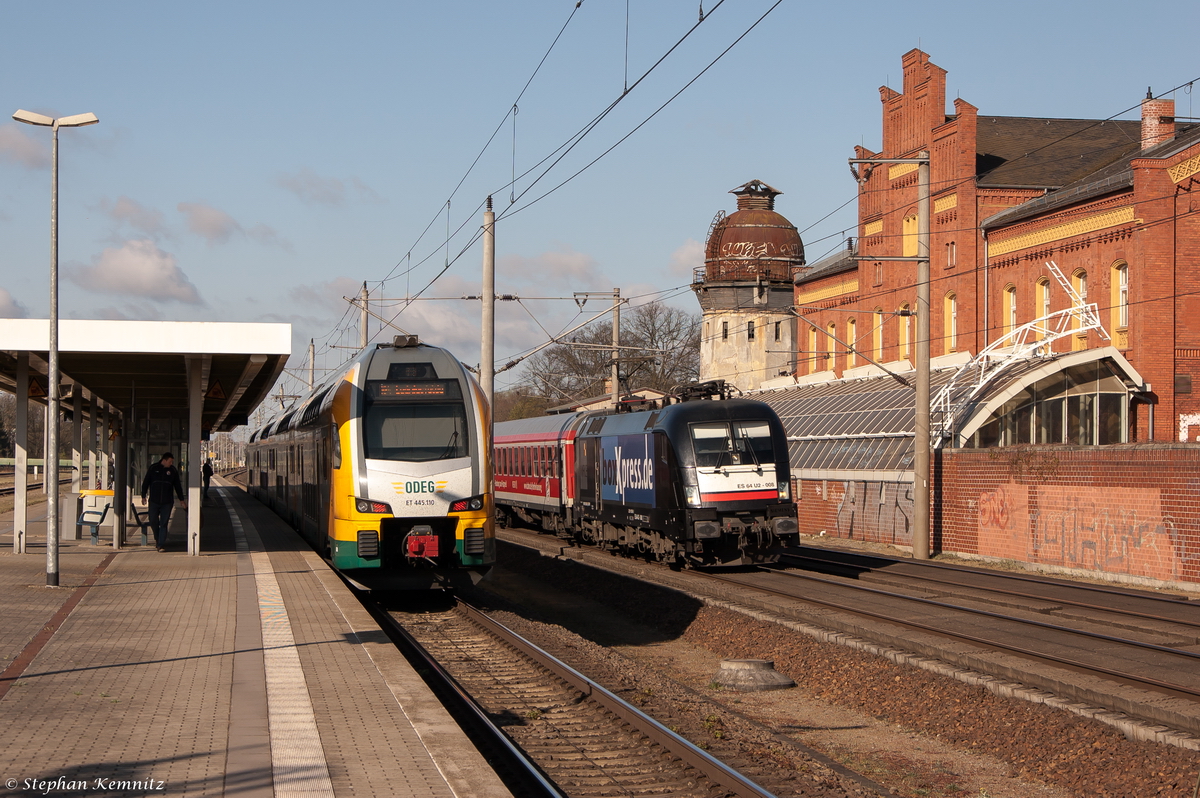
[[30, 118], [78, 120]]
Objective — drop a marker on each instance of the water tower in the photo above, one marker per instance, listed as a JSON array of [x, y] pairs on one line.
[[745, 290]]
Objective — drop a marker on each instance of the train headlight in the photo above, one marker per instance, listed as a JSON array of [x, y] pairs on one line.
[[785, 491], [692, 494], [368, 506], [473, 504]]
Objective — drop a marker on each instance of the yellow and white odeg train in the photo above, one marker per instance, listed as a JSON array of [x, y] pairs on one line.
[[385, 469]]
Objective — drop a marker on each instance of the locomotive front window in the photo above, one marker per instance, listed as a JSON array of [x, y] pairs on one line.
[[754, 440], [415, 432], [718, 443]]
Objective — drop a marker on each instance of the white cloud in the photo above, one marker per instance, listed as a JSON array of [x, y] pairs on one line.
[[137, 268], [128, 311], [19, 147], [10, 308], [561, 268], [212, 224], [218, 227], [310, 187], [689, 256], [365, 193], [327, 295], [131, 212]]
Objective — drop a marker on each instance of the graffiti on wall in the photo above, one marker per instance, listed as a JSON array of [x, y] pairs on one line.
[[1109, 529], [1003, 522], [880, 512]]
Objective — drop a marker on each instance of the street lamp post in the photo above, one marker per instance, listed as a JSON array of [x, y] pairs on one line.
[[51, 454]]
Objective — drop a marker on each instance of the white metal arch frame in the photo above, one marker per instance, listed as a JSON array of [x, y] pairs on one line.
[[1029, 341]]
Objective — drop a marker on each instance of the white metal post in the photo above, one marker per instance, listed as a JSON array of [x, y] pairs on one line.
[[487, 350], [312, 365], [921, 445], [77, 482], [616, 353], [363, 337], [104, 448], [195, 406], [21, 466], [120, 507]]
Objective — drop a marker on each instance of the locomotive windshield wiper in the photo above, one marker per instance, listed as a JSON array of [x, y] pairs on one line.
[[448, 452], [753, 454]]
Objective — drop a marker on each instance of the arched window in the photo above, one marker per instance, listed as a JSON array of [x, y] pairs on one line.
[[950, 322], [852, 340], [1119, 280], [909, 236], [831, 344], [877, 336], [1042, 295], [1079, 281], [813, 360], [905, 331], [1010, 310]]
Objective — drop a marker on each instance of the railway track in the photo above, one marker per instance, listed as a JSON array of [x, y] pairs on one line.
[[1081, 646], [10, 490], [586, 740], [1132, 652]]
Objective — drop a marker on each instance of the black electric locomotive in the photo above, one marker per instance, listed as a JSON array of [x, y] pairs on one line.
[[693, 483]]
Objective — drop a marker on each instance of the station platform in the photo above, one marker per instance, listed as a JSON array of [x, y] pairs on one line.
[[250, 670]]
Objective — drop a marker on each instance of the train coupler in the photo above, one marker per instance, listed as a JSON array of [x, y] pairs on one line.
[[421, 543]]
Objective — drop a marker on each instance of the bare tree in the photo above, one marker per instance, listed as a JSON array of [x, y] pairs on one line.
[[672, 336], [37, 427], [668, 339]]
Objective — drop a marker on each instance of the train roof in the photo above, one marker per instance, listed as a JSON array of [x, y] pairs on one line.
[[537, 425], [630, 423]]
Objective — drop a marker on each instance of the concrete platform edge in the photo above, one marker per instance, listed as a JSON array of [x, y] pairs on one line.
[[462, 766]]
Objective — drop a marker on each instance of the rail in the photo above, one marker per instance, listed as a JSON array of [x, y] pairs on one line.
[[1146, 682], [11, 490], [712, 768]]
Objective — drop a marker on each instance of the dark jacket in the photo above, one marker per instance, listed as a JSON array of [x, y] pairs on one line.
[[159, 481]]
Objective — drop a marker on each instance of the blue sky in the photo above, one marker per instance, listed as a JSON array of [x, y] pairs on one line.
[[258, 161]]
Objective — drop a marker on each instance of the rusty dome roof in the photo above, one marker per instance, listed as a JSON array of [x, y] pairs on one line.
[[754, 240]]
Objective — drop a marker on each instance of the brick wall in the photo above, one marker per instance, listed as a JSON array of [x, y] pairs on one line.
[[1130, 510]]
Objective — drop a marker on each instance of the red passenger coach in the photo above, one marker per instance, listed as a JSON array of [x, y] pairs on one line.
[[534, 467]]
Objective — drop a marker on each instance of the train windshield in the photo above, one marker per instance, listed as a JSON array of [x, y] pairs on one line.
[[720, 443], [415, 431]]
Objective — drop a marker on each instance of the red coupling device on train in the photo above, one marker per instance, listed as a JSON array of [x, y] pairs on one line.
[[421, 542]]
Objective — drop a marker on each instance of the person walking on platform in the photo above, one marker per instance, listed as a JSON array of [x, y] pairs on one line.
[[207, 472], [162, 479]]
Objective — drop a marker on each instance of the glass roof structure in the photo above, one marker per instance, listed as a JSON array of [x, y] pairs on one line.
[[864, 427]]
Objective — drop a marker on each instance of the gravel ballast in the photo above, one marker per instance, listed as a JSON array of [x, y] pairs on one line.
[[1050, 750]]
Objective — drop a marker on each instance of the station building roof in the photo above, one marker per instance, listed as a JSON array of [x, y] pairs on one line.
[[145, 363], [863, 427]]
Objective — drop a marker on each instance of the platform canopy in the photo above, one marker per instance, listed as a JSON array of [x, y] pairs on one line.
[[139, 364]]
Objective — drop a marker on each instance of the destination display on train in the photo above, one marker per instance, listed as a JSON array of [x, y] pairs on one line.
[[414, 389]]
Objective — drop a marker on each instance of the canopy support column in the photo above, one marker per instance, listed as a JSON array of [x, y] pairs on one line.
[[195, 406], [77, 483], [21, 467], [120, 485]]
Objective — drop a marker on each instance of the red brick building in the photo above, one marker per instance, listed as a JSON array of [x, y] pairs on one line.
[[1111, 202], [1061, 447]]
